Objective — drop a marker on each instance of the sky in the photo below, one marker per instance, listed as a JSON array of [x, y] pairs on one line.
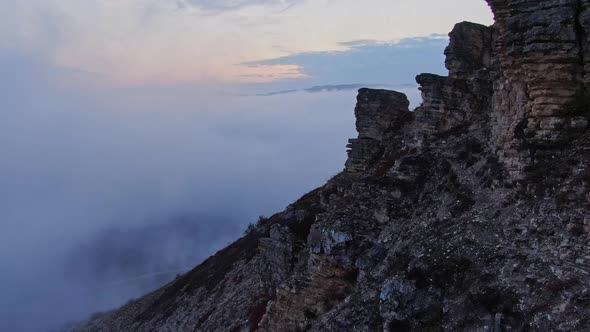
[[138, 137], [137, 42]]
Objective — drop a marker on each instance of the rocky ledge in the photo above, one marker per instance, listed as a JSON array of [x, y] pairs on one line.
[[470, 213]]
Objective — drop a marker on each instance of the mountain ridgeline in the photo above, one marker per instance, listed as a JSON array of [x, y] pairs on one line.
[[471, 213]]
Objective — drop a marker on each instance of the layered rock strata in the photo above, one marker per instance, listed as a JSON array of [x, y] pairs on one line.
[[541, 54]]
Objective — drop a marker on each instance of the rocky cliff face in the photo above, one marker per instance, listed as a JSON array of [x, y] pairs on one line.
[[541, 56], [469, 214]]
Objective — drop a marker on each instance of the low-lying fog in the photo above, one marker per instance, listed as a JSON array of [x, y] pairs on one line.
[[106, 194]]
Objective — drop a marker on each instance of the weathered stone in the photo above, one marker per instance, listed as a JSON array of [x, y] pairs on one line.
[[377, 112], [469, 50], [541, 53], [396, 299]]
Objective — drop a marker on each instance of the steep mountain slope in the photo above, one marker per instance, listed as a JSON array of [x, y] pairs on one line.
[[469, 214]]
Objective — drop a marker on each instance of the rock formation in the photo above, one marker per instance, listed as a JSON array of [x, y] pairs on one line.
[[541, 52], [470, 213]]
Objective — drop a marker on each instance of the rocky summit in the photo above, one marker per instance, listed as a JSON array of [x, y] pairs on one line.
[[470, 213]]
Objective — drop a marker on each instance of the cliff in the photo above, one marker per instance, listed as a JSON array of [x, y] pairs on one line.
[[470, 213]]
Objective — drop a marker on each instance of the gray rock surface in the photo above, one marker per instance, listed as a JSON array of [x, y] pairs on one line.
[[469, 214]]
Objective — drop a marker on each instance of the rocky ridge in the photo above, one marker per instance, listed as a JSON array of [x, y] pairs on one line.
[[470, 213]]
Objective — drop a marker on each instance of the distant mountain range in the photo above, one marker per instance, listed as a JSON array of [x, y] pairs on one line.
[[337, 87]]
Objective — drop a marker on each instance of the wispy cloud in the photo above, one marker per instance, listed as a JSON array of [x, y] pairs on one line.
[[134, 42], [228, 5], [367, 61], [262, 73], [359, 43]]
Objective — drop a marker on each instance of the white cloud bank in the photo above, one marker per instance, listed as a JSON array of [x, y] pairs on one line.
[[79, 161]]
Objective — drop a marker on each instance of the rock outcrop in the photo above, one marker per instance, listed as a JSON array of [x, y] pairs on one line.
[[471, 213], [540, 50], [379, 114]]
